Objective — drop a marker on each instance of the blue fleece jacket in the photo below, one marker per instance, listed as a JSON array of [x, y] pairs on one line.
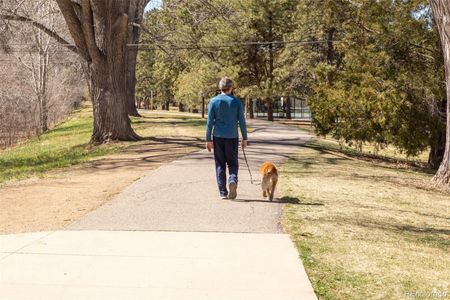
[[224, 114]]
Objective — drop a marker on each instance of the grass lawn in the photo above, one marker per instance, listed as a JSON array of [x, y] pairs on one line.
[[164, 124], [366, 229], [67, 144], [388, 153]]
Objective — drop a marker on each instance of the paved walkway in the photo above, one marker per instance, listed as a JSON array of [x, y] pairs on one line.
[[169, 236]]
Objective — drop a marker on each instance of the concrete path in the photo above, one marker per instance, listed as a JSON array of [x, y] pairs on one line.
[[169, 236], [183, 195]]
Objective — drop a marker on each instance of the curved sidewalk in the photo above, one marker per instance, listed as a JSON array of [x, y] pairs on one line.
[[169, 236]]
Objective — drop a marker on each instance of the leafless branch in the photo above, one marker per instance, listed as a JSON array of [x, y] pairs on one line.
[[42, 27]]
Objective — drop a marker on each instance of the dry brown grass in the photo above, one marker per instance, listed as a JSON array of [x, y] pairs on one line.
[[369, 151], [166, 124], [365, 230]]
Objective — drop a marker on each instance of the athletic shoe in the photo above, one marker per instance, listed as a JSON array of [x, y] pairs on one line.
[[232, 186], [223, 196]]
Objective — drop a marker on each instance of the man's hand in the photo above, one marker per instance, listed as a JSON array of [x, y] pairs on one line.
[[209, 146], [244, 144]]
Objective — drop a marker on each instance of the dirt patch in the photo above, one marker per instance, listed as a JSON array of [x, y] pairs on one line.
[[65, 195]]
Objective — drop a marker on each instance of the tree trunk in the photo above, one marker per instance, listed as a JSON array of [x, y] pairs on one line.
[[135, 13], [180, 107], [168, 105], [437, 150], [437, 141], [269, 109], [38, 119], [99, 30], [131, 82], [330, 47], [441, 13], [111, 121], [151, 100], [147, 102], [288, 108], [246, 110], [203, 107], [250, 108], [44, 114]]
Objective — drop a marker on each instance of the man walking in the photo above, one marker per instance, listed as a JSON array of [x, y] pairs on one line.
[[225, 112]]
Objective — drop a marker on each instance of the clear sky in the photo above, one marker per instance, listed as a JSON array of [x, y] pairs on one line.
[[153, 4]]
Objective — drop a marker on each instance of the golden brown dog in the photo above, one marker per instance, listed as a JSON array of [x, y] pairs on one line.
[[269, 179]]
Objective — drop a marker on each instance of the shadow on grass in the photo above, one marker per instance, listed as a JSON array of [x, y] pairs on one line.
[[297, 201], [347, 154], [70, 129], [385, 225], [182, 141], [324, 150], [429, 236], [415, 229], [155, 150]]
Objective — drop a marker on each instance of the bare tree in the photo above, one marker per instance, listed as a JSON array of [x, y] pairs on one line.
[[441, 14], [100, 32], [40, 81], [38, 53]]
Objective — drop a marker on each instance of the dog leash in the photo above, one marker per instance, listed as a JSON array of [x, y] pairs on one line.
[[248, 167]]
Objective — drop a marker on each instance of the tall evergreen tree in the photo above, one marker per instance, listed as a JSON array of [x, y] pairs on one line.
[[377, 79]]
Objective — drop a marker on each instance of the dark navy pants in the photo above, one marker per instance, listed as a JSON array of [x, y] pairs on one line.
[[226, 154]]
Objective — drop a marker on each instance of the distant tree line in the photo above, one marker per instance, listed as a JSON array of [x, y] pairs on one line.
[[371, 71]]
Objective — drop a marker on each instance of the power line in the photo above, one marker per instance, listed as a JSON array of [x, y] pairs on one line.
[[229, 45], [36, 51]]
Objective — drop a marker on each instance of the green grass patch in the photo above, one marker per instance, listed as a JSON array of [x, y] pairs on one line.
[[388, 154], [365, 229], [68, 143], [65, 145]]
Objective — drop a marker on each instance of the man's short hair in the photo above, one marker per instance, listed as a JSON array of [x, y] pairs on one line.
[[225, 84]]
